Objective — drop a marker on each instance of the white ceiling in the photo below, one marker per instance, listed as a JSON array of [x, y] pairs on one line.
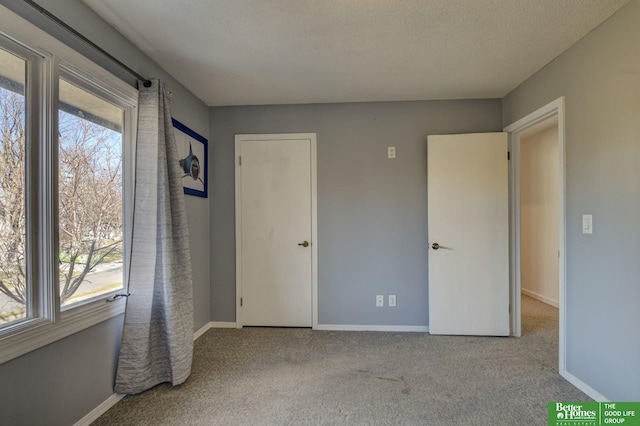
[[252, 52]]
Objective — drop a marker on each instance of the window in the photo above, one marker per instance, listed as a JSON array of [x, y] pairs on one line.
[[90, 195], [66, 188], [14, 292]]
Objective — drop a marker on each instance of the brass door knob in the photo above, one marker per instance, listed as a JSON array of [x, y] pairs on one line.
[[304, 244]]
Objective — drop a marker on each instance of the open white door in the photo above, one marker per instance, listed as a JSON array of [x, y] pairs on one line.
[[468, 234]]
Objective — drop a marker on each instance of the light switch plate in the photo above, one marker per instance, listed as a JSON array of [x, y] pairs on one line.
[[587, 224]]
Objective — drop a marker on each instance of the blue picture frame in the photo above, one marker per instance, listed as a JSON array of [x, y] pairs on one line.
[[193, 151]]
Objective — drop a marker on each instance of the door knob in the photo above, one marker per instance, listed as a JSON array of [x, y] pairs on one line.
[[437, 246], [304, 244]]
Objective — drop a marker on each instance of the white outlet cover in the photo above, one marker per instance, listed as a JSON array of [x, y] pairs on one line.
[[379, 301], [391, 152]]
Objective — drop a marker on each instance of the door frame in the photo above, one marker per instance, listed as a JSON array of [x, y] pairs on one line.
[[239, 138], [554, 108]]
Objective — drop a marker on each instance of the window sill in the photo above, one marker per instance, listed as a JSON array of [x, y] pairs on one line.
[[31, 337]]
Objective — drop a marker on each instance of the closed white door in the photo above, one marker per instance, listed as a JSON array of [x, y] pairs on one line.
[[276, 230], [468, 227]]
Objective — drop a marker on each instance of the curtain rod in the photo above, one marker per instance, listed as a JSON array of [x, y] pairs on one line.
[[58, 21]]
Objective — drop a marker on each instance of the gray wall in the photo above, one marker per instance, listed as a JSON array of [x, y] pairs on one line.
[[62, 382], [600, 77], [372, 211]]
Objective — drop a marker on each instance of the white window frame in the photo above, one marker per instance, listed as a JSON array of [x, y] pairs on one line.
[[50, 323]]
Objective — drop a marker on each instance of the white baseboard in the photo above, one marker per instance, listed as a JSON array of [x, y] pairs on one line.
[[201, 331], [99, 410], [350, 327], [222, 324], [212, 324], [594, 394], [543, 299]]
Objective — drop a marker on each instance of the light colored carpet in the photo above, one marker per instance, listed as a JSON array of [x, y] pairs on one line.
[[271, 376]]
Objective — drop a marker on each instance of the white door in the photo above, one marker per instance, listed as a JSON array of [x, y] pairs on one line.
[[275, 203], [468, 234]]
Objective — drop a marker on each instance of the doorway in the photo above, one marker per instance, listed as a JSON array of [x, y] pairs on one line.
[[551, 116], [276, 235], [539, 211]]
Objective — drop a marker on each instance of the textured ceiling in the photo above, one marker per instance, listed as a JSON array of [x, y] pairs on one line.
[[250, 52]]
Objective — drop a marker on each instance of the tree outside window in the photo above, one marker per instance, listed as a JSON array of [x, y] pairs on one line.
[[13, 288], [90, 200]]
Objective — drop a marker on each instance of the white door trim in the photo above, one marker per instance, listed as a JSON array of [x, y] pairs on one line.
[[555, 108], [314, 218]]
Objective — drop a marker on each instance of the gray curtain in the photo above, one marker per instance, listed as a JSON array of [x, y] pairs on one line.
[[157, 341]]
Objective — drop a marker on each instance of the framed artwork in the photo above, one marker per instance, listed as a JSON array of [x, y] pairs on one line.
[[192, 151]]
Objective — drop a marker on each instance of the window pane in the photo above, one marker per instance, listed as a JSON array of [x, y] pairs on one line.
[[90, 195], [14, 293]]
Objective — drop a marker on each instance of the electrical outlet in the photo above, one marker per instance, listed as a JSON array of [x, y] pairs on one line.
[[379, 301], [391, 152], [392, 300]]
